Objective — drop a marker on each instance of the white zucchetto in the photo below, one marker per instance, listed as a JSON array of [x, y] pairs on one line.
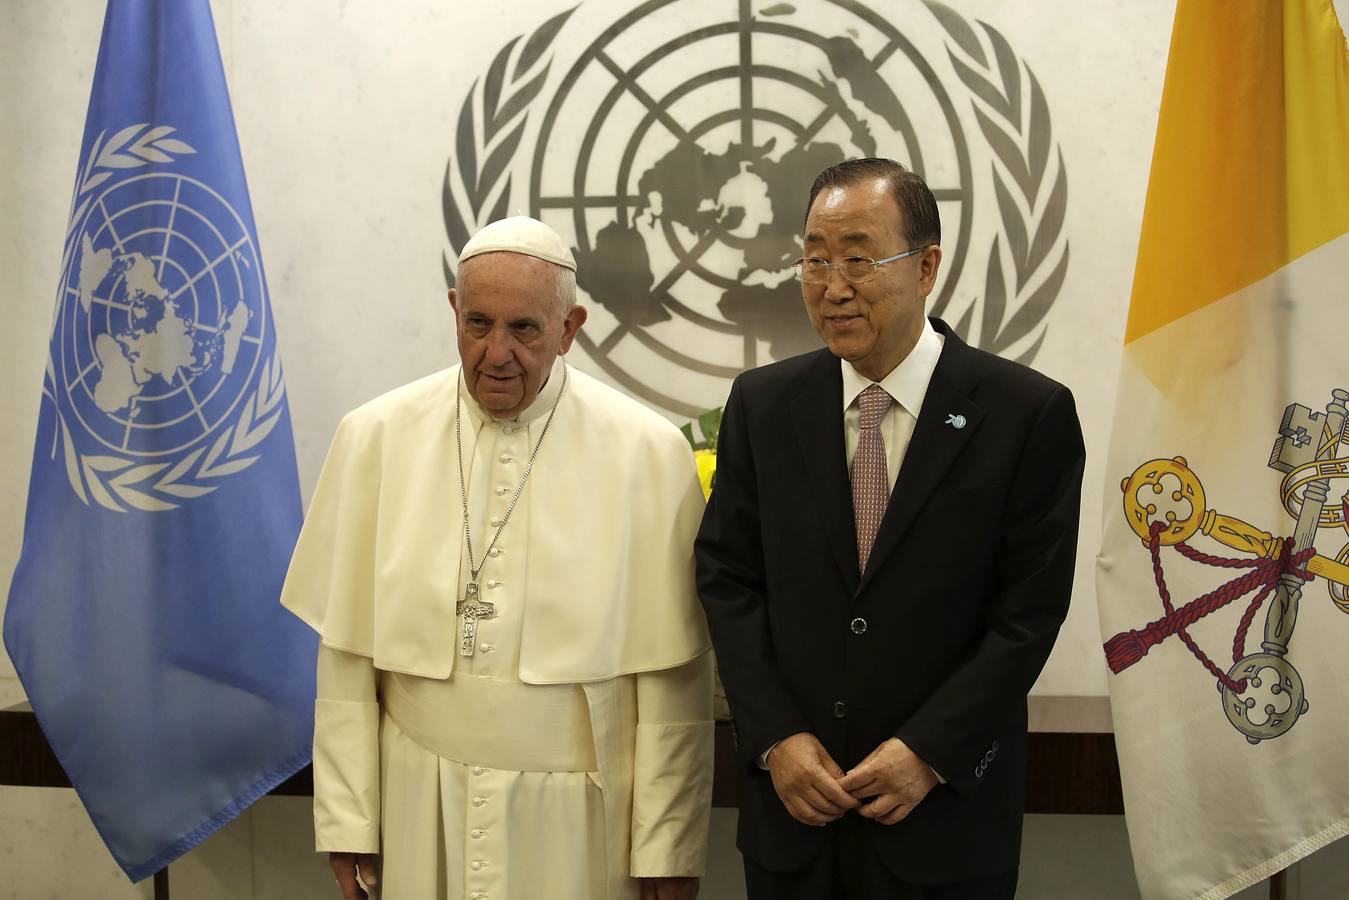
[[520, 234]]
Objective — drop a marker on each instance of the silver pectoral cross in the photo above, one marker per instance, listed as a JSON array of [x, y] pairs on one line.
[[472, 608]]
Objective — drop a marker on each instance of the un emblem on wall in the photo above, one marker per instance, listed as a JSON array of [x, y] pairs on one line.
[[162, 367], [677, 149]]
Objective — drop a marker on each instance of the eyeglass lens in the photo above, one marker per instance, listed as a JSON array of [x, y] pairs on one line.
[[856, 269]]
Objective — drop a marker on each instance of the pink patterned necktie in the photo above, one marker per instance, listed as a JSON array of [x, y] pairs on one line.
[[870, 482]]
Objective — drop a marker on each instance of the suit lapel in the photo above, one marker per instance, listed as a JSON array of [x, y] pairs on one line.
[[817, 414], [935, 444]]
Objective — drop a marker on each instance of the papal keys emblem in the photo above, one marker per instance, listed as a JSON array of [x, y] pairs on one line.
[[1164, 502]]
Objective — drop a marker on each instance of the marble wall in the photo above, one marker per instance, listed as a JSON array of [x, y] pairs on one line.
[[347, 114], [345, 128]]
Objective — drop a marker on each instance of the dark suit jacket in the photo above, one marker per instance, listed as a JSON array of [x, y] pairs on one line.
[[938, 642]]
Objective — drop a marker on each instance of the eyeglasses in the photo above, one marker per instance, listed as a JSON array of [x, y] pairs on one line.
[[856, 269]]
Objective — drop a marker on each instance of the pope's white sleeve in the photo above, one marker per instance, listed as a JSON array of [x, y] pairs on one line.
[[346, 754], [672, 775]]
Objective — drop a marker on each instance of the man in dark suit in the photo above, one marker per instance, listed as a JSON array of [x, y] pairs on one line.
[[885, 562]]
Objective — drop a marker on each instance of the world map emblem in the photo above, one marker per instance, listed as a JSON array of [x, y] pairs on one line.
[[676, 149], [162, 368]]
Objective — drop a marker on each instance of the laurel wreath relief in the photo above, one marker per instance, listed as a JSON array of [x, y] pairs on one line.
[[118, 483], [1031, 206], [1027, 262], [493, 134]]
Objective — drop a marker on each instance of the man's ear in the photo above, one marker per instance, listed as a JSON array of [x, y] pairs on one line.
[[928, 266], [575, 318], [454, 300]]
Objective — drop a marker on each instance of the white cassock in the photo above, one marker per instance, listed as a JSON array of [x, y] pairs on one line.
[[572, 752]]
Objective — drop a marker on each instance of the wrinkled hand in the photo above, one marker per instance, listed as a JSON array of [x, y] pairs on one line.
[[894, 778], [671, 888], [807, 780], [349, 867]]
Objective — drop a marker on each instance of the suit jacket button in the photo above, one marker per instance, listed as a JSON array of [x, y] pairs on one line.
[[858, 625], [840, 709]]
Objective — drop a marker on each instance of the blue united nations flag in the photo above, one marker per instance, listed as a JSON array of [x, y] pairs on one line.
[[164, 503]]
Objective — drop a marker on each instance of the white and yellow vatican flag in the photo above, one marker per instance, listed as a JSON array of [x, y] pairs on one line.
[[1224, 562]]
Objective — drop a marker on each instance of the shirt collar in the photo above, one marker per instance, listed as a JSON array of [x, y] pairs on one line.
[[907, 382], [542, 405]]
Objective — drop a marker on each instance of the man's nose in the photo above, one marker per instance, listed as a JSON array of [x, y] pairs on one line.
[[500, 351], [837, 289]]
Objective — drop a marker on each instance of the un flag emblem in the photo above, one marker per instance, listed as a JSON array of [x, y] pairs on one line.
[[162, 363]]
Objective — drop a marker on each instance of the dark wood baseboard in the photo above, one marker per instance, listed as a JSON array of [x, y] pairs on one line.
[[25, 758], [1073, 774]]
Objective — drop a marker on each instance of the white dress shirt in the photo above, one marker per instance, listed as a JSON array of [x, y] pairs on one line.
[[907, 386]]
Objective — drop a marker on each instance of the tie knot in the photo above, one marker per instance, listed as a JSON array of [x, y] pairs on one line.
[[872, 403]]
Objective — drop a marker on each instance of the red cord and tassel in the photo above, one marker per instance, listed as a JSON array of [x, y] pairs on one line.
[[1128, 647]]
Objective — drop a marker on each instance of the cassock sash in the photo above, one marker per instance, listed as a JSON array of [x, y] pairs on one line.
[[503, 724]]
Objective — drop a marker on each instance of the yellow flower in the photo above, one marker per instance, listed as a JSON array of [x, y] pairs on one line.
[[707, 469]]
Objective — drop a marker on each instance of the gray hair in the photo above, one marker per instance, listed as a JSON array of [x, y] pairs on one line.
[[566, 288]]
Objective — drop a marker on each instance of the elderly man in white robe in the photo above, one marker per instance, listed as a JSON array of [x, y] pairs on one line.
[[514, 678]]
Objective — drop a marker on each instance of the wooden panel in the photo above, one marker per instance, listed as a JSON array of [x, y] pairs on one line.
[[725, 780], [1073, 774], [25, 758], [1067, 773]]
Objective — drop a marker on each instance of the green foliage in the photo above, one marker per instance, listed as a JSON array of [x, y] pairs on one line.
[[709, 425]]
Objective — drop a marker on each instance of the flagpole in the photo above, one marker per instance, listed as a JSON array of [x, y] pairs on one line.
[[1286, 883], [162, 884], [1278, 887]]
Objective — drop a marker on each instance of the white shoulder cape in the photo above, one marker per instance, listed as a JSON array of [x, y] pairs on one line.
[[614, 505]]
